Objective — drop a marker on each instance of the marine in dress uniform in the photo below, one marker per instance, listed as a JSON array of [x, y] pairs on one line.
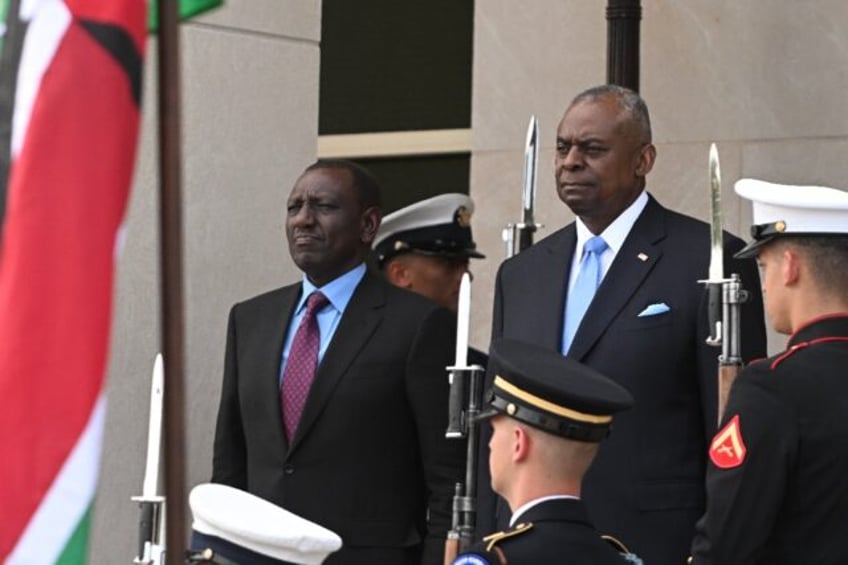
[[548, 414], [235, 527], [426, 247], [776, 479]]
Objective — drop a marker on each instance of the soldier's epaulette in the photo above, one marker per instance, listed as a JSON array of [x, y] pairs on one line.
[[615, 543], [492, 539], [622, 550], [803, 345]]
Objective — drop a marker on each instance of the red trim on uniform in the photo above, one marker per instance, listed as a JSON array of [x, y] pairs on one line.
[[804, 344], [812, 321]]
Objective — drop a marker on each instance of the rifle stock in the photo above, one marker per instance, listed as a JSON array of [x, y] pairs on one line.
[[726, 375], [461, 535]]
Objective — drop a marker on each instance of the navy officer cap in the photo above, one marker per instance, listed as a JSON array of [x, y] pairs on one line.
[[785, 210], [555, 394], [440, 226], [233, 526]]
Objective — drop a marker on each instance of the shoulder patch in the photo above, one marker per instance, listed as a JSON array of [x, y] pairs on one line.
[[492, 539], [728, 448]]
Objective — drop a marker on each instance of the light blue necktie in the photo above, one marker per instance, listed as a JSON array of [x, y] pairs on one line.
[[587, 282]]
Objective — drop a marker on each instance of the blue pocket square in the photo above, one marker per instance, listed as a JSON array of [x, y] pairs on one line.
[[654, 309]]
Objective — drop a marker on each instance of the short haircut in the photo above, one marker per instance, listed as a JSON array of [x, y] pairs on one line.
[[630, 102], [827, 259], [365, 184]]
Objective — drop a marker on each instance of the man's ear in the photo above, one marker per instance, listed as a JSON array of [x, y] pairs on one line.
[[397, 272], [371, 218], [790, 267], [647, 155], [521, 444]]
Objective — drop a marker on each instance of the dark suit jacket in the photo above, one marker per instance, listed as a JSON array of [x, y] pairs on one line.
[[369, 457], [560, 533], [646, 486]]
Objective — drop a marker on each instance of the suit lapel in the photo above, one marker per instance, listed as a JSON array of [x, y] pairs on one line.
[[550, 289], [361, 317], [632, 264]]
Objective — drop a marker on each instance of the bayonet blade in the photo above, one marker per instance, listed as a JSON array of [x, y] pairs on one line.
[[716, 273], [715, 280], [463, 317], [154, 432], [531, 165]]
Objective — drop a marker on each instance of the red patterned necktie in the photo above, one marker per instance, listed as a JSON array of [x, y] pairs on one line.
[[301, 364]]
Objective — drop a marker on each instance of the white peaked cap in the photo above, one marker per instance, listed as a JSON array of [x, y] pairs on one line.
[[430, 212], [260, 526], [782, 209], [440, 225]]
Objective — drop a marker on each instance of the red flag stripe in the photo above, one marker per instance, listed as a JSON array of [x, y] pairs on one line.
[[67, 195]]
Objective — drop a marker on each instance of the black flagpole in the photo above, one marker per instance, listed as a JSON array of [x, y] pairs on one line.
[[171, 261], [623, 18]]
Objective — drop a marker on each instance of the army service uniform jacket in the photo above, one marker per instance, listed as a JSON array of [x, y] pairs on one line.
[[777, 481], [553, 531]]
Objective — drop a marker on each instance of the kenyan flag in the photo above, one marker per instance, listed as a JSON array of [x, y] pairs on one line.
[[70, 86]]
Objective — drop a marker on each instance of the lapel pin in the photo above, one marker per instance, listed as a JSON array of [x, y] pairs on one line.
[[642, 257]]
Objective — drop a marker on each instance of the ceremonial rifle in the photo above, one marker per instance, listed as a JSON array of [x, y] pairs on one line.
[[151, 525], [466, 391], [725, 296], [519, 237]]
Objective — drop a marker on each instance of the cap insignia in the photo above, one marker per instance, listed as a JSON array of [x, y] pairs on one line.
[[728, 448], [463, 217], [510, 409], [780, 226], [401, 245]]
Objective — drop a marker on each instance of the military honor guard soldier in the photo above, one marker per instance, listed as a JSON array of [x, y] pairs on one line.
[[235, 527], [776, 478], [548, 415], [426, 247]]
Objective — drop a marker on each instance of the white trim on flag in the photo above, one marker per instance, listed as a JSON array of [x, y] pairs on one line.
[[67, 500], [49, 19]]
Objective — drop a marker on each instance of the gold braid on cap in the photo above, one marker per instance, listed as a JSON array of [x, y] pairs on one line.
[[543, 404]]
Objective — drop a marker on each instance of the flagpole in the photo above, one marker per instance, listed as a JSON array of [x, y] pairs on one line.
[[623, 18], [171, 261]]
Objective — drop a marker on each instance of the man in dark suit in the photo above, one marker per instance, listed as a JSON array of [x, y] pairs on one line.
[[367, 457], [776, 488], [644, 327], [548, 414]]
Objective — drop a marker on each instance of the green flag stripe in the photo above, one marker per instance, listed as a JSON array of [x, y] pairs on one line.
[[76, 550], [187, 9]]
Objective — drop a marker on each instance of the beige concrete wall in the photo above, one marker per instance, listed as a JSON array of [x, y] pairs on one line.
[[762, 79], [250, 120]]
